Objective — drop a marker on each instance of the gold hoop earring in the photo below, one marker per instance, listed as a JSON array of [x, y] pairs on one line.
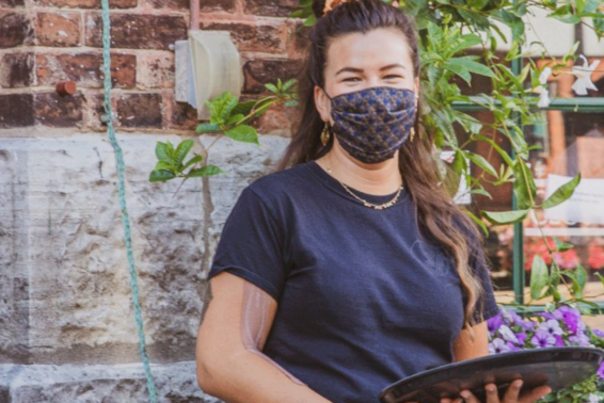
[[325, 134], [412, 134]]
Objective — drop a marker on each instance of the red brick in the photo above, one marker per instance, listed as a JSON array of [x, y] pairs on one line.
[[16, 110], [85, 69], [253, 36], [92, 110], [12, 3], [58, 29], [16, 70], [169, 4], [87, 3], [156, 71], [298, 41], [217, 5], [15, 30], [139, 110], [271, 8], [182, 115], [51, 109], [134, 31], [260, 72]]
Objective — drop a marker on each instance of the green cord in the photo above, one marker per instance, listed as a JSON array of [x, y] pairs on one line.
[[120, 166]]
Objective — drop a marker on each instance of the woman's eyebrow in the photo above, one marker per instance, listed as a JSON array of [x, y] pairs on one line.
[[358, 70]]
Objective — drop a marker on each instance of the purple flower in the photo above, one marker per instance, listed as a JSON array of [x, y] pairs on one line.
[[543, 338], [601, 371], [512, 346], [511, 318], [521, 337], [528, 325], [559, 341], [551, 326], [581, 339], [593, 398], [570, 316], [598, 332], [498, 346], [508, 334], [494, 323]]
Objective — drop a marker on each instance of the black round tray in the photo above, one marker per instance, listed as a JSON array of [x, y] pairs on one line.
[[557, 367]]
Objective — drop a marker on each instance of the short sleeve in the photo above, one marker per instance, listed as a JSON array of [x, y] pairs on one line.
[[251, 245], [477, 262]]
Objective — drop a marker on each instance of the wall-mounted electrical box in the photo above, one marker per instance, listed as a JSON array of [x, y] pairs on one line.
[[207, 64]]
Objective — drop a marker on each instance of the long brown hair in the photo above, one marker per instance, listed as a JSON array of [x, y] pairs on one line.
[[438, 217]]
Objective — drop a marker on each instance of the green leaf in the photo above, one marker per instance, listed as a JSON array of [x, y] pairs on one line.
[[208, 170], [161, 176], [524, 185], [194, 160], [505, 217], [478, 221], [539, 276], [310, 21], [581, 276], [482, 163], [563, 193], [182, 150], [244, 133], [467, 41], [163, 165], [235, 118], [472, 66], [163, 153], [504, 154], [459, 70], [272, 88], [207, 127], [244, 108], [562, 246]]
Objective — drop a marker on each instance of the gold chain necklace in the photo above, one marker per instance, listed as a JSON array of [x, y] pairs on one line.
[[365, 202]]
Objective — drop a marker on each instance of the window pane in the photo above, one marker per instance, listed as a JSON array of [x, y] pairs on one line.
[[571, 143]]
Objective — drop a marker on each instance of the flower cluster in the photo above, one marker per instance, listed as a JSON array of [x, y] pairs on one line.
[[559, 327]]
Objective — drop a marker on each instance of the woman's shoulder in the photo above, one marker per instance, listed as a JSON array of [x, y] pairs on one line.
[[279, 185]]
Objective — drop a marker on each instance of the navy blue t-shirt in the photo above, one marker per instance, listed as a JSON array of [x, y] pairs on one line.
[[363, 300]]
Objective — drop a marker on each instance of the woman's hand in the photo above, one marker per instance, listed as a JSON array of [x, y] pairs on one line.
[[511, 395]]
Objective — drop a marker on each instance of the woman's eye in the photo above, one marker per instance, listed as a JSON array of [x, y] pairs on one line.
[[393, 75], [350, 78]]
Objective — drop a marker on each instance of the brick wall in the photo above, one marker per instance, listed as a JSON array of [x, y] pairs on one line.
[[43, 42]]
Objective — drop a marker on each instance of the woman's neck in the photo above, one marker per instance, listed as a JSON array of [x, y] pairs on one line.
[[381, 178]]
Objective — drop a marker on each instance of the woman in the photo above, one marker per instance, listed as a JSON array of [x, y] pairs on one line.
[[349, 268]]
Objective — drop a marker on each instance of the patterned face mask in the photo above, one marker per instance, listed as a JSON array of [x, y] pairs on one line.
[[372, 123]]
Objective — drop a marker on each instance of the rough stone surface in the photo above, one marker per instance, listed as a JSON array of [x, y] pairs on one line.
[[135, 31], [16, 69], [54, 29], [175, 383], [156, 70], [63, 267]]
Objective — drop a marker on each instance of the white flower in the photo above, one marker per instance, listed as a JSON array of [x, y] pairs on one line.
[[507, 334], [583, 74], [593, 398], [544, 100]]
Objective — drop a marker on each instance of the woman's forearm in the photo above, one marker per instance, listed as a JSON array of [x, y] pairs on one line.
[[248, 378]]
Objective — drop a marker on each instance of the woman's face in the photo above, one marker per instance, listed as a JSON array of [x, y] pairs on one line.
[[355, 61]]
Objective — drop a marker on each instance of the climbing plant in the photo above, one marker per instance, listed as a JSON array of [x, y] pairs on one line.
[[458, 39]]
